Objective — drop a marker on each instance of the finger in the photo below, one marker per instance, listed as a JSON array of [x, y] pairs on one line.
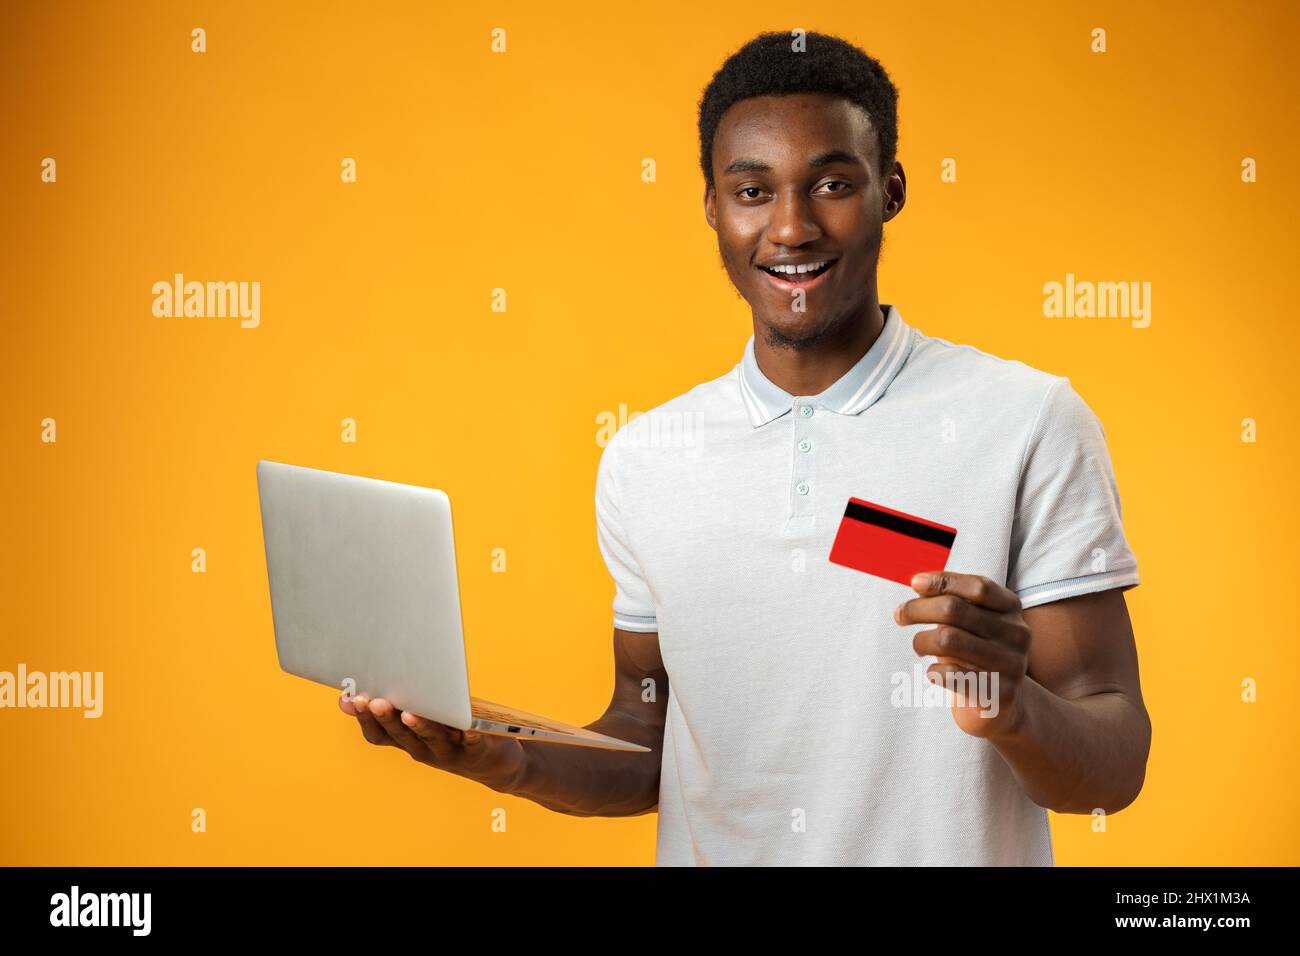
[[345, 705], [370, 728], [962, 681], [390, 718], [963, 647], [957, 612], [444, 741], [973, 587]]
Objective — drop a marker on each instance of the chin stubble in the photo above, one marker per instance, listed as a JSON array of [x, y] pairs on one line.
[[776, 339]]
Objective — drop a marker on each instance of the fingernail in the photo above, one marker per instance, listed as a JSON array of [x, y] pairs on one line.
[[920, 580], [899, 610]]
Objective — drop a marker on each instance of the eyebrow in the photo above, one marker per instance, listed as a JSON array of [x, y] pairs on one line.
[[835, 156], [823, 159]]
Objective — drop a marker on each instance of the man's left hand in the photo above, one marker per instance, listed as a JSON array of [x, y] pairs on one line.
[[981, 633]]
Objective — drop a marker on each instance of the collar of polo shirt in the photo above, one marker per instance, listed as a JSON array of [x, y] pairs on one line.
[[856, 390]]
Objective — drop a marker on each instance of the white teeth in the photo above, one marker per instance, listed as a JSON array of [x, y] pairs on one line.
[[795, 270]]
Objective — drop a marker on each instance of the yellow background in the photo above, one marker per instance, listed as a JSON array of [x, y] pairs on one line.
[[522, 171]]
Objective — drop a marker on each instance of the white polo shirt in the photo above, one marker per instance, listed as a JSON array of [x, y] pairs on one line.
[[800, 728]]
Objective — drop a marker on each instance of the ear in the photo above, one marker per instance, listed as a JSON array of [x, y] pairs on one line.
[[711, 207], [895, 192]]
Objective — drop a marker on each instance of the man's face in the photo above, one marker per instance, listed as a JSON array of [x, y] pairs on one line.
[[796, 181]]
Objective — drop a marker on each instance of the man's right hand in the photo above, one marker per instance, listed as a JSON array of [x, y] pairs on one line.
[[580, 781], [494, 761]]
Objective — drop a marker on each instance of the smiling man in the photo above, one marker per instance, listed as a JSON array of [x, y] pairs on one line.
[[772, 683]]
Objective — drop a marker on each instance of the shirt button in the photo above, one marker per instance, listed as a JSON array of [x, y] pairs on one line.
[[802, 487], [806, 411], [805, 445]]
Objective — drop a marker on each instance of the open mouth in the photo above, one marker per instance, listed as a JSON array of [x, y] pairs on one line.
[[795, 279]]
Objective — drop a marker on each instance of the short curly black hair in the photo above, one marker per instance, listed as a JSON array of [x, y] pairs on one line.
[[769, 65]]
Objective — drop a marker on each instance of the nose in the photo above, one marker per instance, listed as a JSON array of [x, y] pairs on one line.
[[792, 223]]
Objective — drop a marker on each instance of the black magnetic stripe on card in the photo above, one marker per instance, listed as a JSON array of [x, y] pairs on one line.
[[890, 522]]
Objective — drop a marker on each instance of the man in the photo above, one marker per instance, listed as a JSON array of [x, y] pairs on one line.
[[775, 687]]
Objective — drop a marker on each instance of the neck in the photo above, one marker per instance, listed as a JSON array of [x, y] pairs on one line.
[[812, 370]]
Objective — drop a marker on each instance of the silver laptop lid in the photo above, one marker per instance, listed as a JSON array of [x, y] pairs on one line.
[[363, 585]]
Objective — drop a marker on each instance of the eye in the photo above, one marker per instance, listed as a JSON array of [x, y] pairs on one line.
[[747, 189], [838, 182]]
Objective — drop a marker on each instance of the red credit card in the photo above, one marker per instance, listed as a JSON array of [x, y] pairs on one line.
[[890, 544]]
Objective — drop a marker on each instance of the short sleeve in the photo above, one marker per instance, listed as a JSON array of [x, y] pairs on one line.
[[634, 609], [1067, 536]]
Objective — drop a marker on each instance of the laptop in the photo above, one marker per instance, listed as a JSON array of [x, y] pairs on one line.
[[362, 574]]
